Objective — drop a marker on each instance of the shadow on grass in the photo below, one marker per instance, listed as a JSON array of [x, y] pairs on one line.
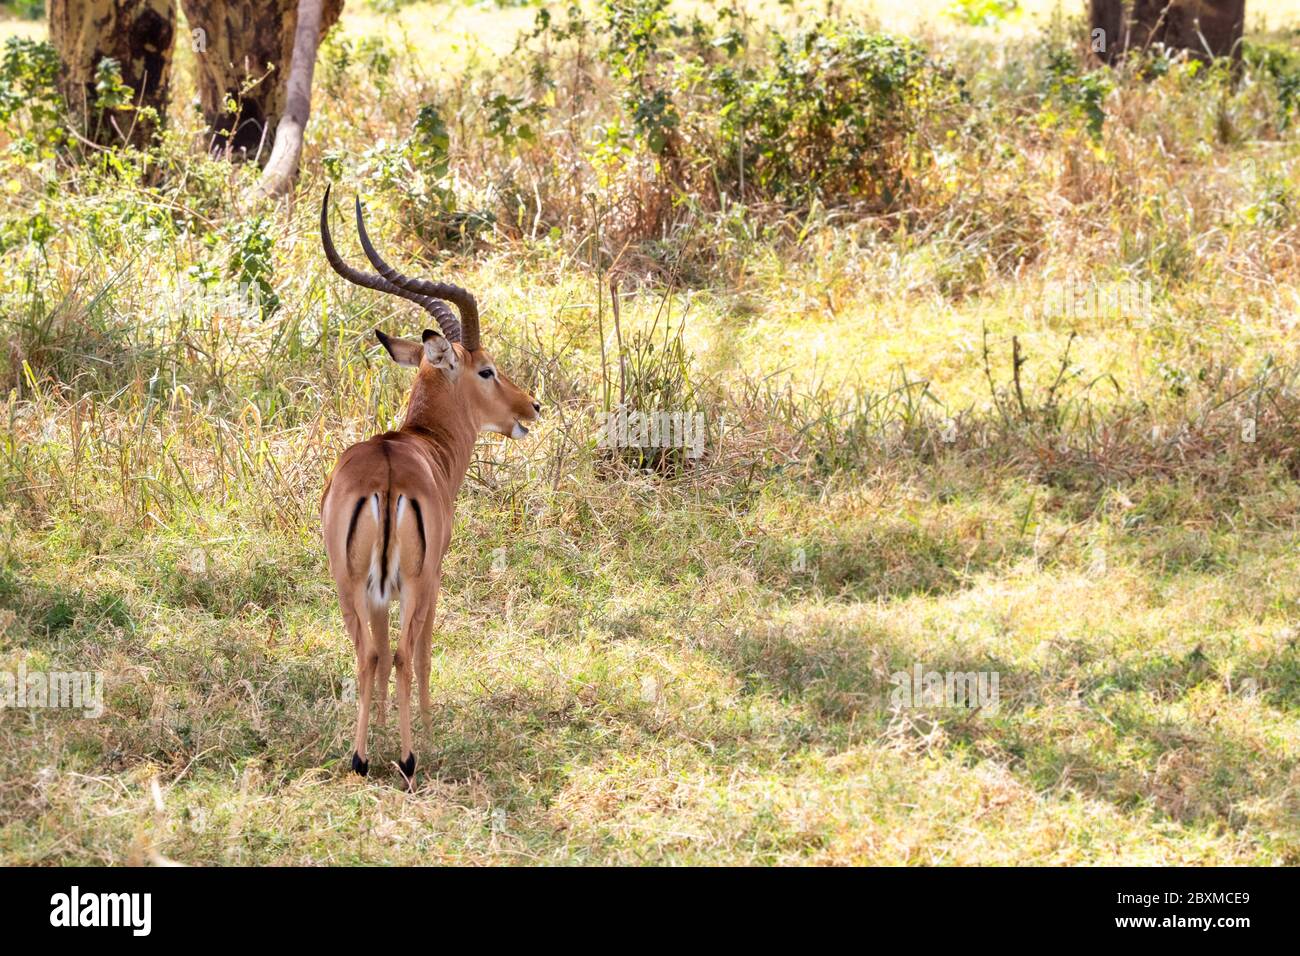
[[1096, 730], [224, 700], [49, 617], [890, 560]]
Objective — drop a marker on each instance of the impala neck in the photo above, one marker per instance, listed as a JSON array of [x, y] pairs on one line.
[[439, 414]]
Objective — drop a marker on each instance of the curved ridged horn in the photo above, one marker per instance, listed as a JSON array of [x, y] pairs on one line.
[[464, 302], [441, 314]]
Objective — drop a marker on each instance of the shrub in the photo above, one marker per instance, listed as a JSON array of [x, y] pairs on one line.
[[1081, 94], [833, 115], [30, 105]]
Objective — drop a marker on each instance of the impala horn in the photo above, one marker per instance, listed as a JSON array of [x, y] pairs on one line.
[[465, 303], [441, 314]]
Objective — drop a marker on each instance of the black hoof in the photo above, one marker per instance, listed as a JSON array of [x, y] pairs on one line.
[[407, 767], [359, 766]]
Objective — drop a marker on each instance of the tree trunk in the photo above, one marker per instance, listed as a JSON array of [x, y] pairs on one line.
[[138, 34], [1202, 28], [1106, 34], [247, 48], [282, 167]]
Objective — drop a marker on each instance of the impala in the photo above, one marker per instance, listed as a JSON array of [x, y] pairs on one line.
[[386, 513]]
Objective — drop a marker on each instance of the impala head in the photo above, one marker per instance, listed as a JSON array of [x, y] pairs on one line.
[[449, 357], [496, 403]]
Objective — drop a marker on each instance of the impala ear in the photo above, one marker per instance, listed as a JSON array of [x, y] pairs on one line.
[[403, 352], [440, 353]]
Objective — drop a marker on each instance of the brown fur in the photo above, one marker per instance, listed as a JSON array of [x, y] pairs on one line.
[[423, 462]]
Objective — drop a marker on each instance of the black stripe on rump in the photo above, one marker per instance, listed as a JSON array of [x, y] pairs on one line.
[[419, 523], [352, 530]]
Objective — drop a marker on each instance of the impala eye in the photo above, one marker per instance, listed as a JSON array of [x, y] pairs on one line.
[[486, 373]]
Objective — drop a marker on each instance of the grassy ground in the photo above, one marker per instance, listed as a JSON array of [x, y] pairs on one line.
[[690, 667]]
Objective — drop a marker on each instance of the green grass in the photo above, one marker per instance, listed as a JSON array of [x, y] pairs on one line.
[[654, 676]]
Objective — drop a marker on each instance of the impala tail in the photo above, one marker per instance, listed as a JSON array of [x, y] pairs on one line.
[[385, 538], [372, 549]]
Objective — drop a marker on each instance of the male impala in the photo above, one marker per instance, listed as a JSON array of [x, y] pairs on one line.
[[387, 507]]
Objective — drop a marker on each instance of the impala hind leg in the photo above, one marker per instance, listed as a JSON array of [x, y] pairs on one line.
[[423, 666], [384, 665], [412, 622], [367, 659]]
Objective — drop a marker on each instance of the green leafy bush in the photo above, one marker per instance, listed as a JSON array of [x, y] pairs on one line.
[[251, 263], [1082, 94], [30, 104], [834, 114], [417, 170], [1281, 66]]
